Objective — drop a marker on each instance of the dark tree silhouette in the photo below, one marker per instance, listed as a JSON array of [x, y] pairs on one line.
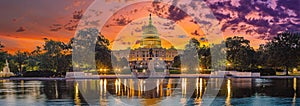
[[284, 50]]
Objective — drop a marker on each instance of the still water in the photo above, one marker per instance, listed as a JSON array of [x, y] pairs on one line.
[[185, 91]]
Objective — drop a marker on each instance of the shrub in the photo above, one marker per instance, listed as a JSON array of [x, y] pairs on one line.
[[38, 74]]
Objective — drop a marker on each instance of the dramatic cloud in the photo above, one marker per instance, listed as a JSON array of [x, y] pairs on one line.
[[125, 43], [122, 21], [138, 23], [15, 20], [167, 11], [264, 18], [20, 29], [76, 4], [170, 27], [182, 36], [257, 20], [195, 33], [72, 24], [78, 14], [138, 29]]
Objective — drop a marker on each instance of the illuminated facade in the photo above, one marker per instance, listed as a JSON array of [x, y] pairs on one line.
[[150, 48]]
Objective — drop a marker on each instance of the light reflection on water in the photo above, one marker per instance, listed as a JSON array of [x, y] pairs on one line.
[[234, 91], [227, 102]]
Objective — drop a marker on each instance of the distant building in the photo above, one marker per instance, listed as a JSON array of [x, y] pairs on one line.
[[150, 48]]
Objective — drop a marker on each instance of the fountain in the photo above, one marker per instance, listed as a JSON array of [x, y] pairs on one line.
[[155, 67], [6, 71]]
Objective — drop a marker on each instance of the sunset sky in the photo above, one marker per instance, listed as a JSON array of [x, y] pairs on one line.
[[24, 23]]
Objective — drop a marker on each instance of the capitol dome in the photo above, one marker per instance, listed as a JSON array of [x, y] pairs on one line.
[[150, 28], [150, 36]]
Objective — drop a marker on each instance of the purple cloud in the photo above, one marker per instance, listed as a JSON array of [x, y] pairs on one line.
[[167, 11], [270, 18]]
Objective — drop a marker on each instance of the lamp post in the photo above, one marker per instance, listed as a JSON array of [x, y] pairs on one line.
[[228, 65]]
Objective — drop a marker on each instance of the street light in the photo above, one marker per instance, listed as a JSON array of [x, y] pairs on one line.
[[228, 66], [295, 70]]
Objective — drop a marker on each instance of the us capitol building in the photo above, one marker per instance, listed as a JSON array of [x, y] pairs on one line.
[[149, 48]]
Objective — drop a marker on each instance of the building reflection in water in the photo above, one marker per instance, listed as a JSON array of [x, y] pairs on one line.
[[139, 88], [232, 88], [295, 91], [12, 91], [183, 87], [169, 87], [228, 97], [147, 91], [76, 95], [199, 90], [183, 98]]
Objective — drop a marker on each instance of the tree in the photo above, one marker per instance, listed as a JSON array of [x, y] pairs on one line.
[[204, 57], [261, 57], [103, 53], [20, 59], [34, 59], [218, 56], [13, 65], [3, 56], [93, 46], [239, 53], [177, 62], [123, 62], [56, 56], [193, 44], [190, 60], [284, 50]]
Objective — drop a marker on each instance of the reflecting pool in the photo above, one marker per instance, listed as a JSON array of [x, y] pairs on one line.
[[184, 91]]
